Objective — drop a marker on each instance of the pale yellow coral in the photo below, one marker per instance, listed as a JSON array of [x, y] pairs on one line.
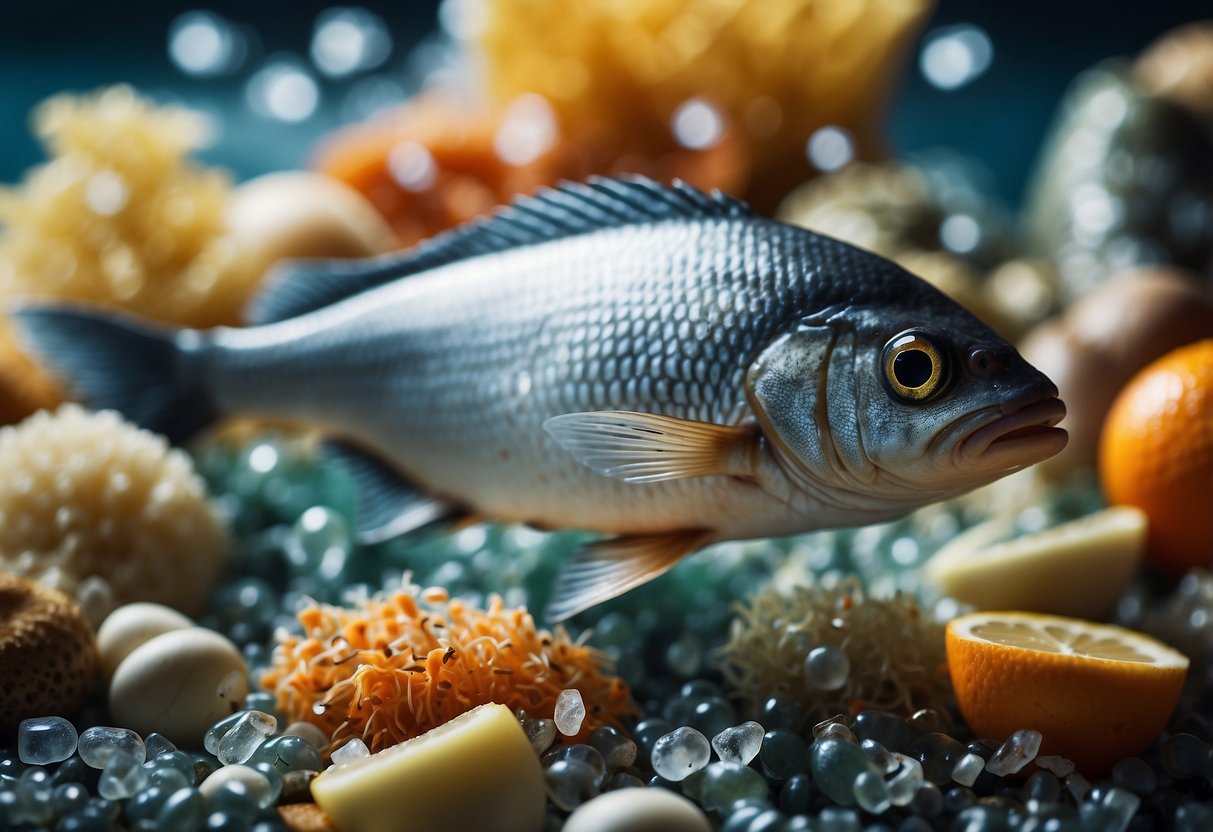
[[895, 650], [87, 494], [777, 70], [122, 216]]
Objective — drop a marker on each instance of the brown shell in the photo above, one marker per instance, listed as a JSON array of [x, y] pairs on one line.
[[48, 653]]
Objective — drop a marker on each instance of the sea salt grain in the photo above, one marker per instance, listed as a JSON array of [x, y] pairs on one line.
[[569, 712]]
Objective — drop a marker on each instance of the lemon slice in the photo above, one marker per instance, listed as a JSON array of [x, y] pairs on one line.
[[446, 779], [1079, 568], [1097, 693]]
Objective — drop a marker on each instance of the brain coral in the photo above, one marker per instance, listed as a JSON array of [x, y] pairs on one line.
[[87, 494]]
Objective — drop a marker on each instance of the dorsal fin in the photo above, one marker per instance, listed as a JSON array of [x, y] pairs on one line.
[[551, 214]]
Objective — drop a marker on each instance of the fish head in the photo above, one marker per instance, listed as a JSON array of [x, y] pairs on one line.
[[877, 410]]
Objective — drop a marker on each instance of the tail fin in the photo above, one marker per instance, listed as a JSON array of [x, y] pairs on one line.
[[114, 362]]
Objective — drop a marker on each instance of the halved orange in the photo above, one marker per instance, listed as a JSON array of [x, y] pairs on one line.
[[1097, 693]]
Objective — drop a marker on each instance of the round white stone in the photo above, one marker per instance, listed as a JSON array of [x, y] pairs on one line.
[[638, 810], [179, 684], [131, 625]]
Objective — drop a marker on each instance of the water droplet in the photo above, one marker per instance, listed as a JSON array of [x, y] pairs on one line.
[[284, 91], [697, 124], [954, 56], [830, 148], [348, 40], [412, 166]]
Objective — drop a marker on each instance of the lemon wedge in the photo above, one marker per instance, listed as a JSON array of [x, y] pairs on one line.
[[1078, 568], [477, 771]]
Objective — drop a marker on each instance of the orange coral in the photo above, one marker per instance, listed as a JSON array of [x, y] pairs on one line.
[[404, 663]]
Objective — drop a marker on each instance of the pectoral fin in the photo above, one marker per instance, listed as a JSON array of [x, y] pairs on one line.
[[609, 568], [643, 447], [388, 506]]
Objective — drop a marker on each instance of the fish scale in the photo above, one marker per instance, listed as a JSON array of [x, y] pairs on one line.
[[455, 342], [645, 361]]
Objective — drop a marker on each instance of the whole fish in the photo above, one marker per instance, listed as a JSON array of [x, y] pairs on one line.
[[650, 362]]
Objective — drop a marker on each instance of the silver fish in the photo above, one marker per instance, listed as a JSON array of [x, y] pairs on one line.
[[649, 362]]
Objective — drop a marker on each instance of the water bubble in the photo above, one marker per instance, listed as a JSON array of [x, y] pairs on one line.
[[284, 91], [412, 166], [205, 45], [528, 130], [830, 148], [348, 40], [954, 56], [827, 667], [697, 124]]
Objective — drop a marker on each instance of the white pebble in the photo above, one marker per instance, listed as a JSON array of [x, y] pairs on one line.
[[131, 625], [739, 744], [570, 712], [179, 683], [638, 810], [258, 784], [353, 750]]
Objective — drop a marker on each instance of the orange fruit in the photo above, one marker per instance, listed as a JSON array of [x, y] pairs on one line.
[[1156, 453], [1096, 693]]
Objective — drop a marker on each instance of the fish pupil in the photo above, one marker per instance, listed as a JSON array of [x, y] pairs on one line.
[[912, 368]]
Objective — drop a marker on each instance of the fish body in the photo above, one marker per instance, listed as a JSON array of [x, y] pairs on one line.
[[621, 357]]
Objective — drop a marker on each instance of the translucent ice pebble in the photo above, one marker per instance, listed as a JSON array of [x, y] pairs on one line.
[[1019, 750], [353, 750], [45, 740], [569, 712], [242, 739], [739, 744], [98, 744], [680, 753]]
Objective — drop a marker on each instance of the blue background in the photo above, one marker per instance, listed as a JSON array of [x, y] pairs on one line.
[[47, 46]]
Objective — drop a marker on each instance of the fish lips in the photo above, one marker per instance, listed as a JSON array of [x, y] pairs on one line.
[[1017, 434]]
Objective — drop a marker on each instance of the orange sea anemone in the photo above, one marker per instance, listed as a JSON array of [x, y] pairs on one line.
[[402, 663]]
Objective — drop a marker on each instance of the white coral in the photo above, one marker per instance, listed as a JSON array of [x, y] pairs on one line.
[[87, 494]]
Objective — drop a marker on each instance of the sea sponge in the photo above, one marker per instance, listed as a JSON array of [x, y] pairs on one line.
[[48, 654], [122, 216], [896, 651], [87, 494], [618, 72], [402, 663]]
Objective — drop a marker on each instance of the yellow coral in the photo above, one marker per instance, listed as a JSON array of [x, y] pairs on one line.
[[87, 494], [121, 216], [399, 665], [618, 70]]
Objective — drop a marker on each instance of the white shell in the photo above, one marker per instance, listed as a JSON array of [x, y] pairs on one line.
[[179, 683], [638, 810], [131, 625]]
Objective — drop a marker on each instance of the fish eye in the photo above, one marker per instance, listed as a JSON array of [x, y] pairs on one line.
[[915, 368]]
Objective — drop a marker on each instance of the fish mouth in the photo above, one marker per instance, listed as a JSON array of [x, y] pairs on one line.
[[1022, 433]]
